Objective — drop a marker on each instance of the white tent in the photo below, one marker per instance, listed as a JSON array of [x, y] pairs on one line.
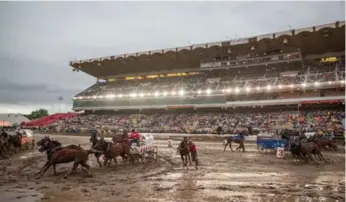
[[13, 118]]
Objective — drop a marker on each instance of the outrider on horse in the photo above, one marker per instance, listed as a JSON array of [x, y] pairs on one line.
[[237, 139]]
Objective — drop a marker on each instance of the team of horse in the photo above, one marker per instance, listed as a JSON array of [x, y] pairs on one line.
[[58, 154], [301, 147]]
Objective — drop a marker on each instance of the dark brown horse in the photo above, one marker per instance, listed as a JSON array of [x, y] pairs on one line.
[[53, 146], [230, 139], [326, 143], [99, 147], [304, 151], [115, 150], [58, 155], [184, 152], [135, 155]]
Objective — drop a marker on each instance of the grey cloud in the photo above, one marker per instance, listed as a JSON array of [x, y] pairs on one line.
[[37, 39]]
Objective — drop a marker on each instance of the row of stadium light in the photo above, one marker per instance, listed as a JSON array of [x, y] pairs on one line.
[[236, 90]]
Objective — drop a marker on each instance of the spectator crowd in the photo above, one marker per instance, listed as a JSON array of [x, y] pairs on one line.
[[206, 122]]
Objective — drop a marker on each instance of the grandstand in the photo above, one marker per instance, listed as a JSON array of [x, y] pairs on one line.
[[298, 69]]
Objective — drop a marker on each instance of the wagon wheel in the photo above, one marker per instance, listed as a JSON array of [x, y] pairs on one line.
[[155, 151], [261, 148]]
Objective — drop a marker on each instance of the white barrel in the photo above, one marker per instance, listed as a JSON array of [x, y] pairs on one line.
[[280, 152]]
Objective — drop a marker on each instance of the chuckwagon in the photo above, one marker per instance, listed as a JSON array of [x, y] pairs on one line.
[[269, 143], [26, 137], [147, 147]]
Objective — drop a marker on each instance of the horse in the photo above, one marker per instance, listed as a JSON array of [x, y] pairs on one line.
[[3, 146], [324, 143], [126, 143], [184, 152], [14, 141], [286, 134], [100, 146], [57, 154], [116, 149], [230, 139], [303, 151]]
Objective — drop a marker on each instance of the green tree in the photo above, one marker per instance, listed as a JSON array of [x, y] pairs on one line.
[[37, 114]]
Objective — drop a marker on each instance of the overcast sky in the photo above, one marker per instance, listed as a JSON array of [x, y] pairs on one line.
[[38, 39]]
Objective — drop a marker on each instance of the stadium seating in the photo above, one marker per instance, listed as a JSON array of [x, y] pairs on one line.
[[246, 78]]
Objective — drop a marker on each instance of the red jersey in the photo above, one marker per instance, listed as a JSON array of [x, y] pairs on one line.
[[134, 135], [193, 147]]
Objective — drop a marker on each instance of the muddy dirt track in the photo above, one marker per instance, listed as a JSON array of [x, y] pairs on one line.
[[228, 176]]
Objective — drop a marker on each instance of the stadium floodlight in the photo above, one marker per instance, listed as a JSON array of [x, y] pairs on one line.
[[291, 86], [303, 85], [228, 90], [134, 94], [173, 93], [181, 92], [199, 91], [280, 86], [156, 94], [269, 87], [342, 81], [329, 82], [100, 96], [110, 96], [80, 97], [94, 97], [258, 88], [165, 93], [141, 94], [208, 91], [149, 94], [248, 89], [223, 90], [317, 83], [237, 90]]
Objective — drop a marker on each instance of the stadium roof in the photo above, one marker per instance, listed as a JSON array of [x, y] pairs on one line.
[[316, 40]]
